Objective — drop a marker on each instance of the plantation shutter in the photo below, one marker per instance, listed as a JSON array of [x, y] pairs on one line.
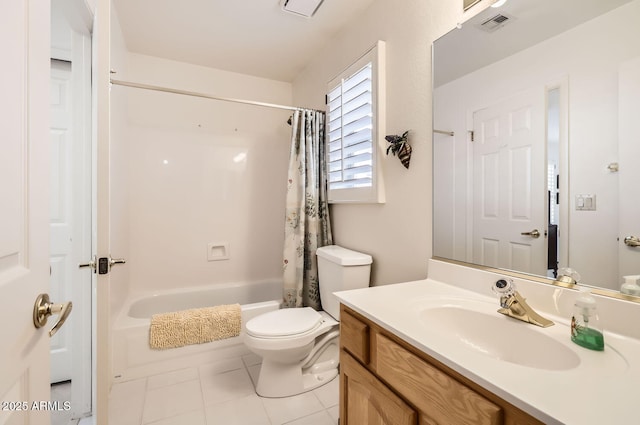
[[355, 125], [350, 111]]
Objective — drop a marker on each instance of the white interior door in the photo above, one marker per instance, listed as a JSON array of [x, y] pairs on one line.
[[24, 210], [61, 198], [629, 174], [509, 184]]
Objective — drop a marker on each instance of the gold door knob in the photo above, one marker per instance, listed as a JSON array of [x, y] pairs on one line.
[[632, 241], [43, 308], [534, 233]]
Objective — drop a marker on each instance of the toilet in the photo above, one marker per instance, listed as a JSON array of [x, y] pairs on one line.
[[300, 346]]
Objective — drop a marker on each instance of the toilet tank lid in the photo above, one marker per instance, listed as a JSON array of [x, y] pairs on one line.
[[343, 256]]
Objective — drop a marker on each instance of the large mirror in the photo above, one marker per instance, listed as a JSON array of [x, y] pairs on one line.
[[536, 161]]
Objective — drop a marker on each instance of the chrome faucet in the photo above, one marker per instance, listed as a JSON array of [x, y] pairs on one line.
[[515, 305]]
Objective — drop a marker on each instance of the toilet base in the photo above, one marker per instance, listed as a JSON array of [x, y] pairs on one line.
[[282, 380]]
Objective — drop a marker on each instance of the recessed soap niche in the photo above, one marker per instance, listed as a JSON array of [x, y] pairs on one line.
[[217, 251]]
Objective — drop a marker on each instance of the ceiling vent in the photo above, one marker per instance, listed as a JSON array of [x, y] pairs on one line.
[[495, 22], [306, 8]]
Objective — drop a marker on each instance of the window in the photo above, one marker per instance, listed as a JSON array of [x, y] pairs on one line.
[[355, 126]]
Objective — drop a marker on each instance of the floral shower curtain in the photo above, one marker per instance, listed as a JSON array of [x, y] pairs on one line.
[[307, 225]]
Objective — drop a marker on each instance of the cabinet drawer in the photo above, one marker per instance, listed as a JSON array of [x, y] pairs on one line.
[[354, 336], [439, 397]]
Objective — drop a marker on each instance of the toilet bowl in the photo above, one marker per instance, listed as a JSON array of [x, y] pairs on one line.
[[291, 343], [300, 346]]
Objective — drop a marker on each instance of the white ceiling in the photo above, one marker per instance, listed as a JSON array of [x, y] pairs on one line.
[[252, 37]]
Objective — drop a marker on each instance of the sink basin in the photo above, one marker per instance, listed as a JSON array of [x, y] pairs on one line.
[[500, 337]]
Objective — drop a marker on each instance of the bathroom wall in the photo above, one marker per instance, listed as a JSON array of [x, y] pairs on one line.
[[592, 133], [398, 233], [187, 172]]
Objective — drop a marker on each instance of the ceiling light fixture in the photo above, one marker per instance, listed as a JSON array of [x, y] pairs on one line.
[[499, 3]]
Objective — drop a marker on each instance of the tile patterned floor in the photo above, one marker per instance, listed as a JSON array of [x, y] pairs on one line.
[[220, 393]]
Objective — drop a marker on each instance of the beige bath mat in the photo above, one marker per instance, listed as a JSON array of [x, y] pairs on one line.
[[196, 326]]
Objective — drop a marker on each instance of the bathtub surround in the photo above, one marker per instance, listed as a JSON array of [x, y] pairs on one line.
[[190, 172], [307, 224], [194, 326], [187, 173], [188, 188]]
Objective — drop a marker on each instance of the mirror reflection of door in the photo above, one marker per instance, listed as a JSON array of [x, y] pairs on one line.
[[628, 167], [509, 221]]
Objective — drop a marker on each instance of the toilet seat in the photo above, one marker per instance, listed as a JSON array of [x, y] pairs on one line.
[[284, 323], [274, 343]]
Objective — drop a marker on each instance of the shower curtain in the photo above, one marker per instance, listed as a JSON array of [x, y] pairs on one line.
[[307, 225]]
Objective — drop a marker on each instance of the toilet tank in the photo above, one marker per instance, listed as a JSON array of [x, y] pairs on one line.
[[340, 269]]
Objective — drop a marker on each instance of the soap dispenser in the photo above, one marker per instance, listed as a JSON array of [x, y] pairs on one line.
[[585, 323], [630, 285]]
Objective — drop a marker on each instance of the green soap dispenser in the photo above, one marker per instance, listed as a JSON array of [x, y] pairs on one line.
[[585, 323]]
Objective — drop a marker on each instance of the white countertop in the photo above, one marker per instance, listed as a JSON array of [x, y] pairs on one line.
[[601, 389]]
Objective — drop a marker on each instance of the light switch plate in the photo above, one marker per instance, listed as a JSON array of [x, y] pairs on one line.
[[586, 202]]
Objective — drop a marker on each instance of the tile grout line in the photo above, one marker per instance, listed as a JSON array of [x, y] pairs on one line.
[[144, 399], [204, 404]]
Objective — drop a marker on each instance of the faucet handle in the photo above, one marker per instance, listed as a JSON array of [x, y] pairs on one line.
[[514, 305], [504, 287], [568, 275]]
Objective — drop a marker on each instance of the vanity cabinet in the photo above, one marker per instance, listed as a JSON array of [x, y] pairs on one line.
[[385, 380]]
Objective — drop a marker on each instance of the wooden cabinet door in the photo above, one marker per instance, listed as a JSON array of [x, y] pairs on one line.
[[366, 401], [439, 398]]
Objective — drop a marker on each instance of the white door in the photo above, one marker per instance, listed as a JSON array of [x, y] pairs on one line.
[[629, 174], [24, 210], [61, 209], [509, 186]]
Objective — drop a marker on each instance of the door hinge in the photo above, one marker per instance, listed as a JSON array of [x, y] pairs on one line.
[[472, 135]]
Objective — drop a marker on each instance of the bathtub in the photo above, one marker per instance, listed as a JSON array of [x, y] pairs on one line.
[[132, 357]]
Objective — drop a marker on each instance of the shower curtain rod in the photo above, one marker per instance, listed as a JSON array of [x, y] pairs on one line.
[[207, 96]]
